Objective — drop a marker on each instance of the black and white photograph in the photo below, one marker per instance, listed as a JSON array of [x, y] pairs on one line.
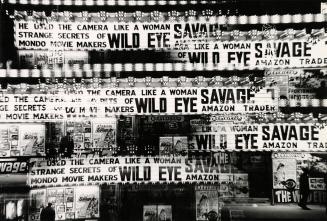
[[163, 110]]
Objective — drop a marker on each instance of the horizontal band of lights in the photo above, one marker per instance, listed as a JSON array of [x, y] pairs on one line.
[[156, 16], [97, 70], [255, 83], [115, 2], [279, 117], [98, 83], [100, 73], [270, 79]]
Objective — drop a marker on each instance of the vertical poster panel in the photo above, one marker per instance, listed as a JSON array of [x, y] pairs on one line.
[[26, 58], [87, 132], [38, 197], [87, 201], [56, 197], [69, 203], [180, 146], [20, 207], [283, 170], [226, 182], [206, 202], [4, 141], [241, 185], [13, 135], [37, 202], [165, 213], [104, 134], [10, 209], [76, 129], [63, 202], [166, 146], [81, 131], [9, 140], [31, 140], [150, 213]]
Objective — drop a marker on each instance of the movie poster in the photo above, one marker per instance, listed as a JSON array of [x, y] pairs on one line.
[[56, 197], [241, 185], [26, 58], [4, 140], [164, 213], [32, 139], [38, 199], [166, 146], [70, 202], [225, 185], [37, 203], [150, 213], [87, 201], [9, 138], [180, 146], [104, 134], [157, 213], [283, 170], [13, 135], [206, 202]]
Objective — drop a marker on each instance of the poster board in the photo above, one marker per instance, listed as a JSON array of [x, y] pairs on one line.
[[25, 139], [9, 140], [87, 201], [241, 185], [150, 213], [283, 169], [68, 202], [79, 131], [89, 134], [206, 201], [180, 146], [104, 134], [166, 146], [50, 58], [37, 203], [298, 84], [32, 139], [293, 164], [157, 213], [173, 146]]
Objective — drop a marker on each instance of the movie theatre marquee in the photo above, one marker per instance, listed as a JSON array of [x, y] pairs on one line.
[[100, 103], [186, 42]]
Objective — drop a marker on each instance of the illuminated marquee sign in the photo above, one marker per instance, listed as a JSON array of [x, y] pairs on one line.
[[254, 54], [7, 167], [258, 137], [99, 103], [84, 171], [189, 42]]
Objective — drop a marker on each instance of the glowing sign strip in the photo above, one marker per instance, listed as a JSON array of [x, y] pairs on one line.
[[157, 16], [112, 2]]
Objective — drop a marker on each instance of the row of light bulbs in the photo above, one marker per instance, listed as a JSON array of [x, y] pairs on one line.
[[207, 15]]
